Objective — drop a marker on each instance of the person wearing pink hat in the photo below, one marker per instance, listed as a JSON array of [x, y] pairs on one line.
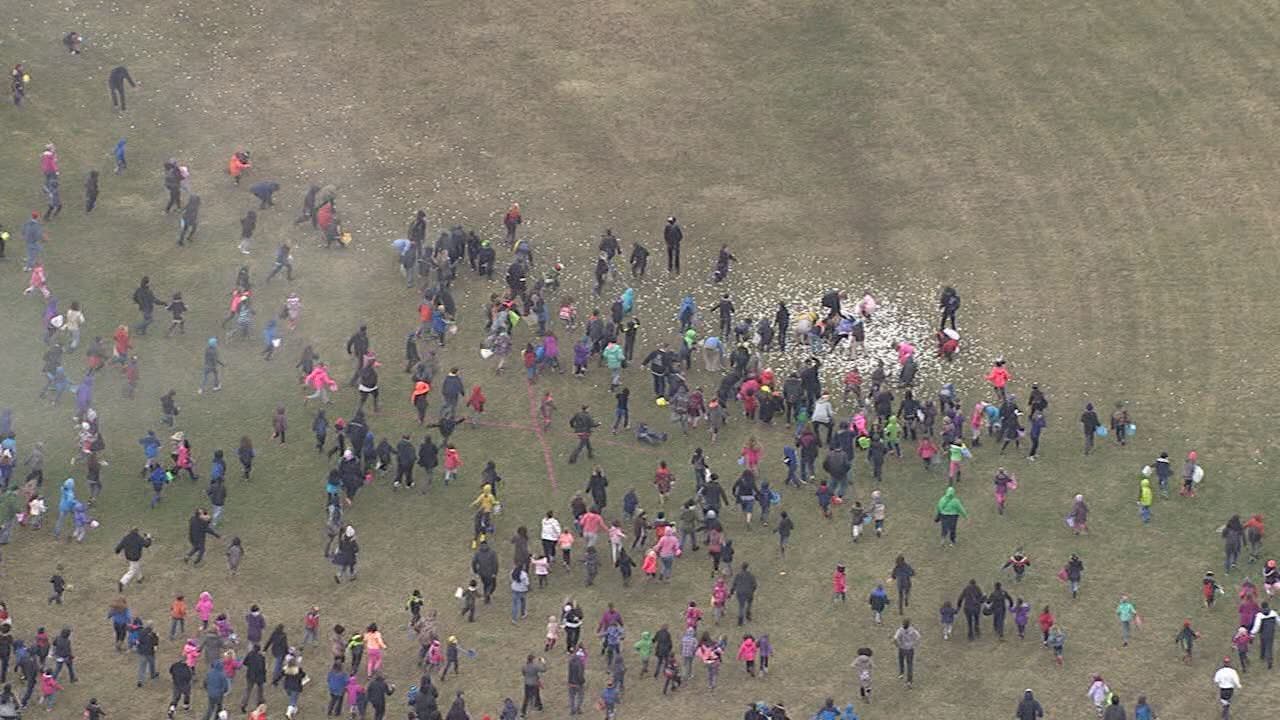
[[1189, 469]]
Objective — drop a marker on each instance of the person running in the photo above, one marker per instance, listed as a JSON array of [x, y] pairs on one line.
[[1228, 681], [949, 511]]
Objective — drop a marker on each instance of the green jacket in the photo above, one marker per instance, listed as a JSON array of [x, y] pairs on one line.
[[949, 504], [644, 645], [1126, 611], [613, 356], [10, 505]]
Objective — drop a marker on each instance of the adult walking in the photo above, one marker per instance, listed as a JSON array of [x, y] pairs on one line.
[[519, 594], [577, 682], [145, 645], [1000, 603], [1028, 708], [531, 673], [484, 563], [949, 510], [549, 534], [255, 675], [582, 424], [744, 588], [115, 81], [901, 576], [672, 235], [1089, 423], [906, 638], [1228, 681], [199, 528], [216, 686], [346, 556], [1264, 630], [949, 304], [132, 545], [146, 301], [970, 601]]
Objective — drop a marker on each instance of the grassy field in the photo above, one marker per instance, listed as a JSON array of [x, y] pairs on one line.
[[1095, 178]]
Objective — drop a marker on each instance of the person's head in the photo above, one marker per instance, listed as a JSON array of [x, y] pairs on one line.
[[906, 623]]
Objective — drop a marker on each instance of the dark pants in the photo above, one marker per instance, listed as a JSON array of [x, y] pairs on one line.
[[907, 663], [1035, 445], [948, 315], [1266, 650], [248, 689], [175, 199], [904, 597], [744, 608], [949, 527], [488, 584], [532, 694], [659, 384], [183, 694], [973, 621], [196, 551], [335, 705], [997, 623], [673, 258], [288, 271], [404, 473], [584, 442], [117, 96]]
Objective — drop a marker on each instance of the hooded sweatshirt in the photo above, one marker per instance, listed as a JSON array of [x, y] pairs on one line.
[[949, 504]]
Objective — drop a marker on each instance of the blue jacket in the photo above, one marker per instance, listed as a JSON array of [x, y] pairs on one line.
[[68, 501], [150, 445], [215, 682], [119, 152], [337, 682], [120, 617]]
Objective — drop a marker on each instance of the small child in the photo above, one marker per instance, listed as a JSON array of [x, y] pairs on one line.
[[927, 451], [1045, 620], [616, 536], [824, 499], [49, 688], [765, 649], [644, 647], [1018, 562], [858, 517], [947, 616], [35, 511], [1021, 614], [204, 609], [839, 584], [565, 543], [671, 675], [863, 666], [719, 597], [311, 626], [747, 653], [546, 409], [1241, 642], [553, 633], [877, 512], [450, 656], [630, 502], [235, 553], [59, 585], [541, 569], [177, 617], [1210, 589], [878, 600], [1057, 640], [650, 564], [414, 606], [853, 386], [246, 455], [1186, 639]]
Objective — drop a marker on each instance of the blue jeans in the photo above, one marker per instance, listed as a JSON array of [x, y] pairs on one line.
[[57, 667], [667, 562], [204, 377], [57, 525], [1146, 514], [518, 607]]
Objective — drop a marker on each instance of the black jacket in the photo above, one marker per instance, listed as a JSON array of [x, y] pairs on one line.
[[180, 673], [428, 454], [255, 667], [485, 562], [132, 544], [197, 528], [405, 453], [672, 234], [358, 344], [744, 585], [147, 642], [119, 76]]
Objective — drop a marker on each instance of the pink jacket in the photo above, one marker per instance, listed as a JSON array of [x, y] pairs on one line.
[[452, 460], [204, 606], [905, 350], [592, 523], [667, 545], [49, 162], [747, 650], [319, 377]]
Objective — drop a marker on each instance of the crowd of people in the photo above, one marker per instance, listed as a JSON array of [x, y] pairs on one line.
[[705, 373]]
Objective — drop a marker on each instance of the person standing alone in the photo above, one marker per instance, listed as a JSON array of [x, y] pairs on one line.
[[115, 81], [673, 235]]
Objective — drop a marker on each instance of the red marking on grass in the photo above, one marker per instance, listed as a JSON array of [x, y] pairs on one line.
[[535, 423]]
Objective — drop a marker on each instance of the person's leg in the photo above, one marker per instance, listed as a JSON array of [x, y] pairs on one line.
[[911, 665]]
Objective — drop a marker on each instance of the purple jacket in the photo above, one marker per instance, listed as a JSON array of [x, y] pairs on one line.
[[581, 353]]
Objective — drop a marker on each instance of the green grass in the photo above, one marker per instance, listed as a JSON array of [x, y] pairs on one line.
[[1093, 177]]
